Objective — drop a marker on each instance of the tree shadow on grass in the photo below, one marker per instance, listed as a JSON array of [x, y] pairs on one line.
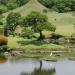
[[32, 42]]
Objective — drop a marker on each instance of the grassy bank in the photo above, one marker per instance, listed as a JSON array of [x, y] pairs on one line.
[[47, 57], [28, 44]]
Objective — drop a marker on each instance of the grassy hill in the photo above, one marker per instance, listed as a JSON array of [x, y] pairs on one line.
[[64, 21], [32, 5]]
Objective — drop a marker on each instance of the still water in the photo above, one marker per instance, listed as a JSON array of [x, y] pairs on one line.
[[36, 67]]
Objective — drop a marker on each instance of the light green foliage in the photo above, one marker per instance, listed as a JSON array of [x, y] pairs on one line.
[[12, 5], [27, 33], [3, 9]]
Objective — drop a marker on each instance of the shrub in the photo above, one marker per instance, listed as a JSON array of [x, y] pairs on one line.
[[12, 5], [73, 35], [67, 9], [55, 36], [1, 23], [61, 41], [3, 9], [45, 10], [3, 40]]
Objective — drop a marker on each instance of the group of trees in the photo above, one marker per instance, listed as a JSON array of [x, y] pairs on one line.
[[6, 5], [59, 5], [35, 20]]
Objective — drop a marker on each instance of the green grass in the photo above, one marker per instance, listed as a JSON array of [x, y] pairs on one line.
[[26, 44], [46, 56], [32, 56]]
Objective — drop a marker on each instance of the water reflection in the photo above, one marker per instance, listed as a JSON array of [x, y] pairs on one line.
[[41, 71], [36, 67]]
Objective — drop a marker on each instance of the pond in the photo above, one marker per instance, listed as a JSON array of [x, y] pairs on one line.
[[37, 67]]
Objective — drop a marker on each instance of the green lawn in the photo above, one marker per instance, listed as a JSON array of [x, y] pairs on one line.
[[26, 44]]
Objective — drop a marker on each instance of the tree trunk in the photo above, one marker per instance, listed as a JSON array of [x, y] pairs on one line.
[[41, 36], [40, 65]]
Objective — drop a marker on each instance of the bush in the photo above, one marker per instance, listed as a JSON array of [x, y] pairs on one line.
[[73, 35], [3, 40], [3, 48], [12, 5], [3, 9], [55, 36], [61, 41], [27, 33], [1, 23], [45, 10], [67, 9]]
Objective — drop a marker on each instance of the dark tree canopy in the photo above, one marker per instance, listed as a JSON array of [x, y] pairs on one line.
[[38, 22], [60, 5], [13, 20], [6, 5]]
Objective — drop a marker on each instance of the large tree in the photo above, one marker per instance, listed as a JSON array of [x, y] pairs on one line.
[[13, 20], [38, 22]]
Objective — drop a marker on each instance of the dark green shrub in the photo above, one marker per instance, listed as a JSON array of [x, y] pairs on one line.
[[45, 10], [56, 36], [12, 5], [59, 5], [1, 23], [73, 35]]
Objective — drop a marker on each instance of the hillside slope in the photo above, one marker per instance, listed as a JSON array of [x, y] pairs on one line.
[[32, 5]]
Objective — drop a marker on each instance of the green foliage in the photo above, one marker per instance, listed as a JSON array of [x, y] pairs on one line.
[[6, 5], [13, 20], [22, 2], [38, 22], [12, 5], [47, 3], [1, 20], [45, 10], [3, 9], [56, 36], [73, 35], [27, 32], [61, 5], [1, 23]]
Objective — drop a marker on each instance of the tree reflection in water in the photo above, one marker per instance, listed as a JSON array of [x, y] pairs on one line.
[[41, 71]]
